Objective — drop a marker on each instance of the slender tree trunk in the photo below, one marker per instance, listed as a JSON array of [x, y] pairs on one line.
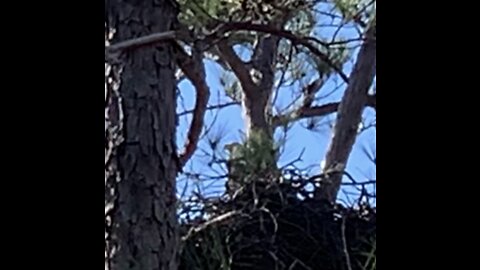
[[349, 118], [257, 89], [142, 230], [257, 101]]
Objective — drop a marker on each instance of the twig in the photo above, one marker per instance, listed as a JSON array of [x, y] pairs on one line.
[[371, 182], [345, 247], [205, 225], [282, 78], [213, 107]]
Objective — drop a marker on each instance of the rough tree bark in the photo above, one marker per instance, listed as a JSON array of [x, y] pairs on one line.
[[349, 117], [142, 233]]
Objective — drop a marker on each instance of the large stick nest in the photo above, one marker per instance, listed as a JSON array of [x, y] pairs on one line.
[[267, 227]]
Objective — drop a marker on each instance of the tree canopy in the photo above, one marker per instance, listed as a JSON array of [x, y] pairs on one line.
[[271, 99]]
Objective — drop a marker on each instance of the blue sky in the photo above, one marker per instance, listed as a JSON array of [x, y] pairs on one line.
[[313, 144]]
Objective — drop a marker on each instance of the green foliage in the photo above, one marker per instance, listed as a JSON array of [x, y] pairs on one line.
[[302, 23], [352, 9], [260, 150], [257, 157], [208, 252], [200, 13]]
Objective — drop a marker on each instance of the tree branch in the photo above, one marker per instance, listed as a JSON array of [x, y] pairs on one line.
[[193, 68], [219, 32], [140, 42], [213, 107], [311, 90], [238, 67], [316, 111], [295, 39]]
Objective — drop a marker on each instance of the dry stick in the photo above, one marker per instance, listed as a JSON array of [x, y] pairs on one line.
[[345, 247], [213, 107], [205, 225]]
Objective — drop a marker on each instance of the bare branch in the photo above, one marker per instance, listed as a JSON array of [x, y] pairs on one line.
[[295, 39], [343, 42], [193, 68], [213, 107], [284, 73], [345, 246], [140, 42], [206, 224], [316, 111], [238, 67]]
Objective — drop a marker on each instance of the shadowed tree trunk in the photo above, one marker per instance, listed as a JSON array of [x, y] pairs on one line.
[[142, 233]]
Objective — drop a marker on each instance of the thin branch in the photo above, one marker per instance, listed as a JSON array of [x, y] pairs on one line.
[[193, 68], [345, 247], [364, 183], [220, 31], [215, 220], [343, 42], [316, 111], [140, 42], [282, 77], [213, 107], [295, 39]]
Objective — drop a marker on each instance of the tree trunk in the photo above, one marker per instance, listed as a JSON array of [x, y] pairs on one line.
[[256, 101], [143, 231], [349, 117]]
